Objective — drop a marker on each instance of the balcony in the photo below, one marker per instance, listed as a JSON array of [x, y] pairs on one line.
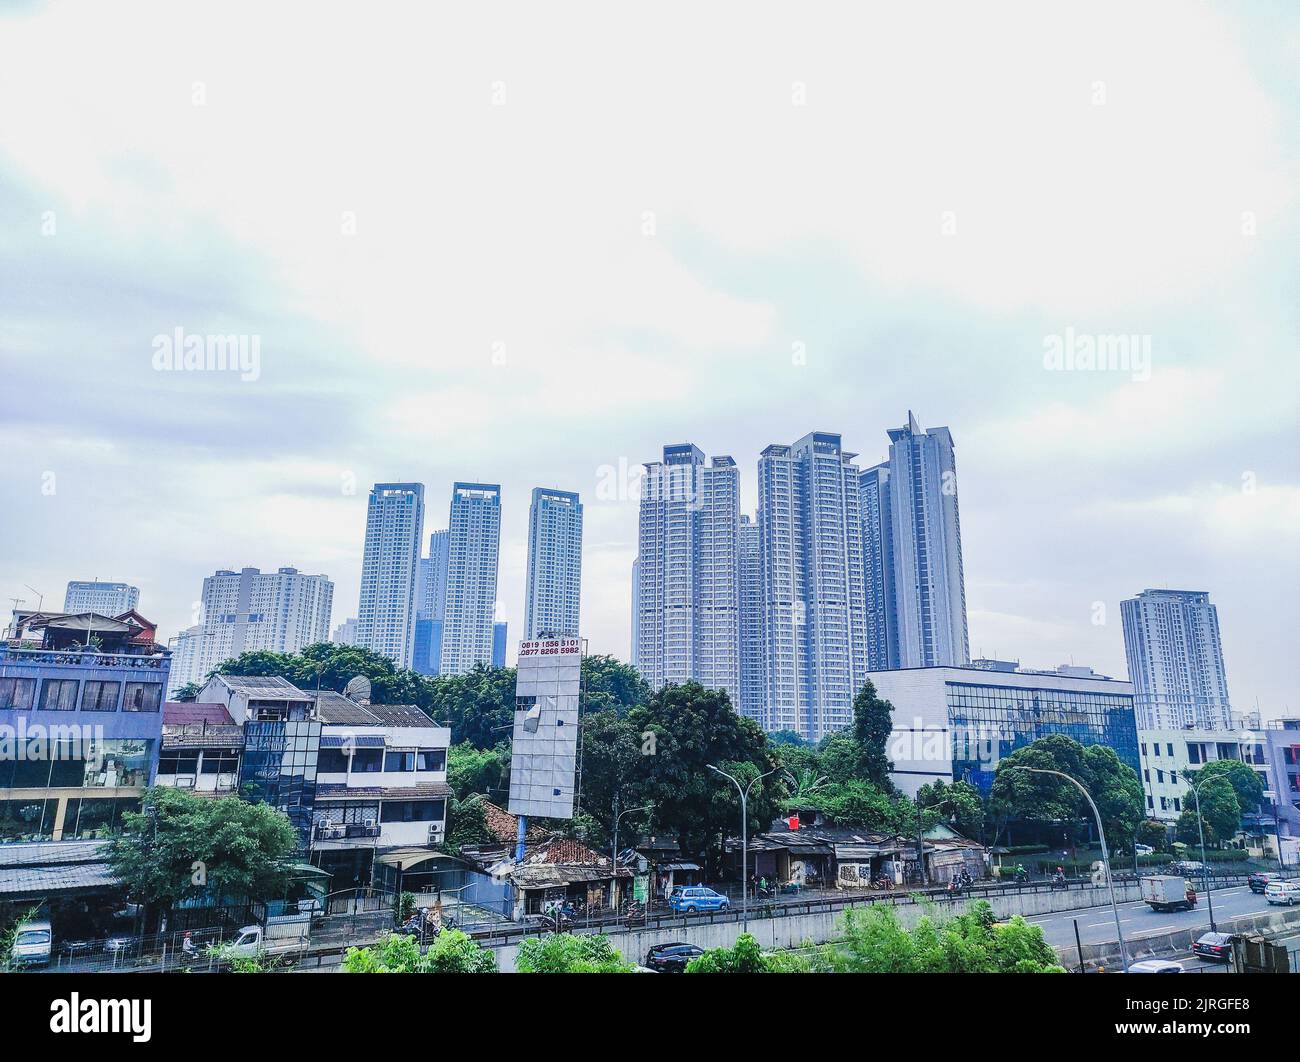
[[340, 831], [10, 654]]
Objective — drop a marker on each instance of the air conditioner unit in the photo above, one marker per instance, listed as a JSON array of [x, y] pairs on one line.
[[185, 781]]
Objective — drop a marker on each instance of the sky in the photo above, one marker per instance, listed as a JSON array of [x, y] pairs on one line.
[[533, 244]]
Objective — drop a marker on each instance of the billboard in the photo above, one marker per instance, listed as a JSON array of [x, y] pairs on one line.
[[544, 747]]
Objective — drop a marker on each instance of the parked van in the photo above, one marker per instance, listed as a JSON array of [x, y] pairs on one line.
[[33, 944]]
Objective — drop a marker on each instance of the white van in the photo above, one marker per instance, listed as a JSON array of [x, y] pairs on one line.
[[33, 944]]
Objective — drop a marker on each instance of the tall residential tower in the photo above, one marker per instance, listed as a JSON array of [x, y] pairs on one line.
[[474, 537], [687, 595], [394, 527], [1175, 660], [912, 535], [554, 590], [814, 607]]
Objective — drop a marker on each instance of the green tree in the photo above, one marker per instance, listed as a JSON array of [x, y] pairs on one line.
[[618, 767], [960, 805], [859, 803], [1113, 785], [189, 845], [329, 666], [1219, 809], [683, 730], [466, 824], [875, 942], [451, 952], [567, 953], [1153, 833], [472, 770], [611, 685], [187, 694], [1247, 783], [744, 956], [873, 722], [479, 705]]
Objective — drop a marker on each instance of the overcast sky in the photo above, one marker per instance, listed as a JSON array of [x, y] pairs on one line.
[[533, 244]]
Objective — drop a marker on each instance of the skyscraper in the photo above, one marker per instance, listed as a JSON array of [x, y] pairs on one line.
[[636, 606], [554, 588], [923, 533], [248, 610], [814, 607], [431, 604], [1175, 660], [472, 553], [878, 568], [750, 583], [107, 599], [687, 588], [386, 613]]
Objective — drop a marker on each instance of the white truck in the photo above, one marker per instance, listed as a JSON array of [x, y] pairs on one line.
[[1168, 892], [279, 935]]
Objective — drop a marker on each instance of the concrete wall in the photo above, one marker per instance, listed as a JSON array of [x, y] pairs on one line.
[[819, 926]]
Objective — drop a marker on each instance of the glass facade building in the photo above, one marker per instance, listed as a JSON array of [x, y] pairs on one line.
[[1009, 718], [959, 723]]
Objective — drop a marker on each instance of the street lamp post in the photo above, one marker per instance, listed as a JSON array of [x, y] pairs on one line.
[[1205, 866], [744, 838], [1105, 854], [614, 861]]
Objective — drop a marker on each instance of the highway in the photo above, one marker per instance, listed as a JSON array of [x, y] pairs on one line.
[[1097, 924]]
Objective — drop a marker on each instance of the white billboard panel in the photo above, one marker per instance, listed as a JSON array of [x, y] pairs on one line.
[[544, 748]]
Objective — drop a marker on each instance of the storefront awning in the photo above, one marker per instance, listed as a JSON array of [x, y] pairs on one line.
[[406, 858], [679, 866]]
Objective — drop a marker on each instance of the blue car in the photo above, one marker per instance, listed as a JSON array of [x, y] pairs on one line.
[[692, 898]]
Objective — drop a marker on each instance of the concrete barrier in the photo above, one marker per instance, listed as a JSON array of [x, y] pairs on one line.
[[825, 926]]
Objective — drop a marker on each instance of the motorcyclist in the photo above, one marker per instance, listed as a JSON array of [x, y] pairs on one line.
[[1058, 879], [188, 951]]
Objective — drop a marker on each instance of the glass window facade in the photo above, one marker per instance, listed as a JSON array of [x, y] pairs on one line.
[[106, 764], [1011, 717], [280, 763]]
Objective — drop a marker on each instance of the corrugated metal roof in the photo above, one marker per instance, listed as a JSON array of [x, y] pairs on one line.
[[21, 882], [51, 853], [181, 713]]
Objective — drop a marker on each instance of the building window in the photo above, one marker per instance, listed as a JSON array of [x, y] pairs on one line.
[[431, 760], [332, 761], [412, 811], [17, 693], [184, 761], [142, 697], [59, 695], [100, 696], [399, 761], [367, 761]]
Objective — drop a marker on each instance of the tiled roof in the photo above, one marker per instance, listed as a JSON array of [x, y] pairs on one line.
[[179, 713], [504, 826]]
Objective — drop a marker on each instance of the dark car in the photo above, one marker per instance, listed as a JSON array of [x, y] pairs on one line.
[[671, 958], [1258, 881], [1214, 947]]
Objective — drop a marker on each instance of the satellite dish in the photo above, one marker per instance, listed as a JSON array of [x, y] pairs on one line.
[[358, 689]]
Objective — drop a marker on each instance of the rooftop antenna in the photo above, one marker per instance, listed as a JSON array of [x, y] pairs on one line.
[[40, 598]]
